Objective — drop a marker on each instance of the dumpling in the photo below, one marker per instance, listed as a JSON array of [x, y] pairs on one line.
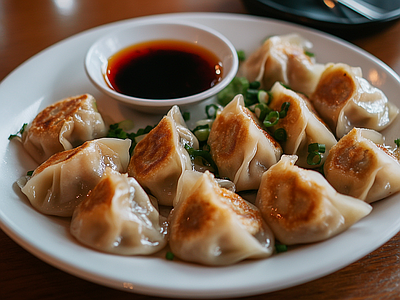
[[160, 158], [300, 206], [344, 99], [118, 217], [214, 226], [241, 149], [301, 124], [59, 184], [359, 167], [62, 126], [283, 58]]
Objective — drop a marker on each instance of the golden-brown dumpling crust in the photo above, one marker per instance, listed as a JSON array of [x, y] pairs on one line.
[[153, 152], [50, 120]]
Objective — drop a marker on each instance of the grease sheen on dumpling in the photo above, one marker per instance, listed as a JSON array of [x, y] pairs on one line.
[[214, 226], [344, 100], [160, 158], [62, 126], [241, 149], [59, 184], [300, 206], [118, 217], [359, 167]]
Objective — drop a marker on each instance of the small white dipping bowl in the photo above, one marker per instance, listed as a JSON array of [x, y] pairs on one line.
[[97, 58]]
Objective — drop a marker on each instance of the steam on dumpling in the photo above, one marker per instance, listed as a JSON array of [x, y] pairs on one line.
[[344, 99], [283, 58], [360, 167], [59, 184], [241, 149], [62, 126], [214, 226], [300, 206], [160, 158], [301, 124], [118, 217]]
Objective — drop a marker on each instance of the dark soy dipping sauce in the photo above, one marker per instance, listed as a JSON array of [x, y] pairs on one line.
[[163, 69]]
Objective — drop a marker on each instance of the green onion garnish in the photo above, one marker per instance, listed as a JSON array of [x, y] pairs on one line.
[[186, 115], [254, 85], [314, 158], [241, 55], [204, 155], [284, 109], [202, 132], [397, 142], [308, 53], [169, 255], [238, 85], [29, 173], [209, 111], [261, 111], [19, 133], [271, 119], [316, 147], [280, 135], [280, 248]]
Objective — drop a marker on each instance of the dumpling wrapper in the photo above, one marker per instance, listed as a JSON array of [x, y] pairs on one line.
[[344, 100], [360, 167], [62, 126], [240, 148], [214, 226], [301, 124], [284, 59], [119, 217], [59, 184], [300, 206], [160, 158]]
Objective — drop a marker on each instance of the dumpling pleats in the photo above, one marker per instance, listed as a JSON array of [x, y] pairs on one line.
[[118, 217], [300, 206], [62, 126], [241, 149], [214, 226], [359, 167], [59, 184], [344, 100]]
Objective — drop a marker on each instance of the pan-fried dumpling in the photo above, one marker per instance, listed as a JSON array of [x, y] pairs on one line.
[[283, 58], [300, 206], [301, 124], [118, 217], [359, 167], [241, 149], [344, 99], [59, 184], [160, 158], [214, 226], [62, 126]]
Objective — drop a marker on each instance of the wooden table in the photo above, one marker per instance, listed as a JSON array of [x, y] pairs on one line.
[[27, 27]]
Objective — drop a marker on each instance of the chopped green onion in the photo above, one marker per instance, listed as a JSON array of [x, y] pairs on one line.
[[284, 109], [126, 125], [19, 133], [316, 147], [29, 173], [397, 142], [254, 85], [169, 255], [308, 53], [314, 158], [204, 155], [209, 111], [271, 119], [238, 85], [262, 96], [202, 132], [261, 111], [280, 248], [280, 135], [241, 55], [186, 115]]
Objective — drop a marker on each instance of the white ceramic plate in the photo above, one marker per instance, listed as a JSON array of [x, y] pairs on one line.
[[23, 94]]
